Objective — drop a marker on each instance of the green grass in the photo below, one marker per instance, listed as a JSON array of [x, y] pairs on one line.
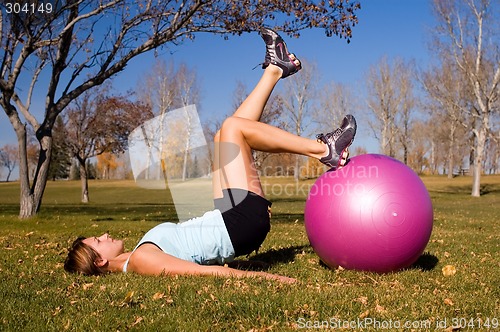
[[38, 295]]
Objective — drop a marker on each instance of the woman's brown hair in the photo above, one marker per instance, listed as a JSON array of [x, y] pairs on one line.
[[82, 259]]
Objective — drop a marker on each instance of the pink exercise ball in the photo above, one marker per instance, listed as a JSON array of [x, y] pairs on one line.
[[374, 214]]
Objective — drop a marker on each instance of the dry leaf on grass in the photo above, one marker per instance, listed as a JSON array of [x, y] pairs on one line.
[[128, 297], [449, 270], [362, 300], [448, 301], [380, 309], [57, 311], [364, 314], [137, 321], [87, 286], [158, 296]]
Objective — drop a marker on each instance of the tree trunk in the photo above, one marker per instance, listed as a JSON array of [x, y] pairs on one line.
[[478, 160], [27, 206], [433, 163], [451, 141], [84, 180], [188, 144], [31, 197], [184, 163], [296, 172]]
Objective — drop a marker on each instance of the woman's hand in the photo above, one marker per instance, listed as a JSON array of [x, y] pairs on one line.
[[277, 277]]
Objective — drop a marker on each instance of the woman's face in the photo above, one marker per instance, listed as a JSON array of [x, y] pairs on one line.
[[106, 246]]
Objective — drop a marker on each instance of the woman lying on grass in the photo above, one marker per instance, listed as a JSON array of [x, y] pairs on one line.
[[241, 219]]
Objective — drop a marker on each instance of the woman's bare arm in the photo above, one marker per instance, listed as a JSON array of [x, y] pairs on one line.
[[149, 260]]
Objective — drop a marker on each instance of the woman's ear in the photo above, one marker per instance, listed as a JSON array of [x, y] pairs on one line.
[[101, 262]]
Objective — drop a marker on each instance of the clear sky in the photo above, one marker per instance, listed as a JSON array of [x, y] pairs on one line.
[[393, 28]]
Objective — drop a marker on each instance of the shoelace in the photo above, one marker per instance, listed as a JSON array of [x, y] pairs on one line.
[[267, 59], [328, 137]]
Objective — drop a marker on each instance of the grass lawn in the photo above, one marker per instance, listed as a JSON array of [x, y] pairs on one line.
[[38, 295]]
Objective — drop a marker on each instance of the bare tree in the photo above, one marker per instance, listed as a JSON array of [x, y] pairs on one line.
[[298, 97], [8, 159], [493, 158], [448, 97], [419, 145], [79, 44], [100, 123], [189, 93], [391, 100], [468, 33], [408, 103], [159, 91], [165, 88], [335, 102]]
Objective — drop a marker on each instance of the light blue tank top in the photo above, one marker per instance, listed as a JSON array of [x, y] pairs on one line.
[[203, 240]]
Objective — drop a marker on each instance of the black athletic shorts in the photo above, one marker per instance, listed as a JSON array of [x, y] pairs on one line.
[[247, 218]]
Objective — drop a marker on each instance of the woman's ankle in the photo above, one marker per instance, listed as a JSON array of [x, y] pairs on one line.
[[274, 70]]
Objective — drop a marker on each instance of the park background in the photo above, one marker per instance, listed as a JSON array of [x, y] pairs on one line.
[[392, 38], [455, 281]]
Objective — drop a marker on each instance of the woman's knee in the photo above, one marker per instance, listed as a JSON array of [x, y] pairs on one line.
[[231, 124], [226, 125]]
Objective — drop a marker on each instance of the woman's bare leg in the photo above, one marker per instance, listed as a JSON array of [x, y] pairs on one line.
[[251, 108], [248, 134]]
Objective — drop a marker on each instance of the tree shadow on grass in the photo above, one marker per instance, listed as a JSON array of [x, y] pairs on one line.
[[485, 189], [489, 189]]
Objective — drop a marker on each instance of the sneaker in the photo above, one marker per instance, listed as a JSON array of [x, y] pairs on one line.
[[338, 142], [277, 53]]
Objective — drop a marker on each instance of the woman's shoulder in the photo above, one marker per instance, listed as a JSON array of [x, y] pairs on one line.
[[144, 249], [142, 255]]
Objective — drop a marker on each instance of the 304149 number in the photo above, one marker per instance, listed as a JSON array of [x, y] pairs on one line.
[[28, 8]]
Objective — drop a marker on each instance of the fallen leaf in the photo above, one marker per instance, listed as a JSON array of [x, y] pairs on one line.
[[87, 286], [379, 308], [158, 296], [364, 314], [128, 297], [362, 300], [57, 311], [68, 324], [137, 321], [448, 301], [449, 270]]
